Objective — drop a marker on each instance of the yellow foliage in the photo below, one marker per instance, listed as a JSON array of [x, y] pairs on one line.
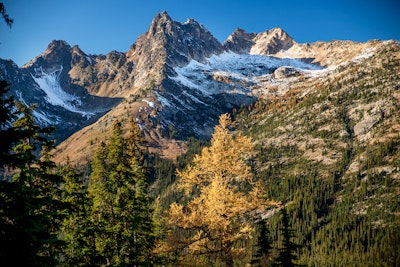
[[227, 197], [225, 159]]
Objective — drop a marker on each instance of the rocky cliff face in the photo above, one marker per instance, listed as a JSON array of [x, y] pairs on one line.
[[175, 81], [271, 42], [240, 41], [328, 54], [168, 44], [158, 55], [45, 81], [265, 43], [103, 75]]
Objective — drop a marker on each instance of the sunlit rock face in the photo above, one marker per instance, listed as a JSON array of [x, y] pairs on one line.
[[240, 41], [168, 44], [45, 81], [188, 75], [175, 79], [271, 42]]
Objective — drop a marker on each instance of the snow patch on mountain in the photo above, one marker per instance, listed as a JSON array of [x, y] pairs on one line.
[[45, 119], [253, 65], [184, 77], [239, 71], [162, 100], [365, 54], [40, 116], [195, 99], [50, 84], [150, 103]]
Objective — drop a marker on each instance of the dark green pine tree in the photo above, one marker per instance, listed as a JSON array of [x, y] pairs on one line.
[[7, 132], [102, 191], [77, 228], [121, 211], [263, 246], [288, 253], [32, 197], [8, 239], [144, 230]]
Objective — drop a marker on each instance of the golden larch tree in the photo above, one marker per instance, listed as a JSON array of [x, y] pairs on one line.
[[225, 199]]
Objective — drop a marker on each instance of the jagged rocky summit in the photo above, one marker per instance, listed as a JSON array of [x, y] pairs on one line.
[[46, 83], [175, 80]]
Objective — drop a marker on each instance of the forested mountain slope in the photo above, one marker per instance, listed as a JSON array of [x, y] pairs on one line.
[[316, 127], [330, 149], [327, 147]]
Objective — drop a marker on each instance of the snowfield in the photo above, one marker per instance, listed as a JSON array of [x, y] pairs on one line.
[[241, 72], [202, 90], [56, 96]]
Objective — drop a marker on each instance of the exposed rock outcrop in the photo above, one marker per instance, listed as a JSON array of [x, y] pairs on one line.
[[285, 72], [46, 82], [169, 44], [271, 42], [175, 80], [240, 41]]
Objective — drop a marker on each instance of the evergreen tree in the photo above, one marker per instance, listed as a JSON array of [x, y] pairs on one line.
[[77, 228], [263, 246], [144, 233], [288, 253], [8, 136], [8, 237], [31, 199], [121, 211]]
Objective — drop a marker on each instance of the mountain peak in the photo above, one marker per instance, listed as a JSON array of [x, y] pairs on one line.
[[239, 31], [162, 16], [272, 41], [267, 42], [239, 41], [159, 20], [77, 49], [277, 30], [58, 45], [191, 21], [280, 34], [172, 43], [56, 53]]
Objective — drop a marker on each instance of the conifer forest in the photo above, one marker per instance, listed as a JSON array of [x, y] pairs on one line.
[[307, 175]]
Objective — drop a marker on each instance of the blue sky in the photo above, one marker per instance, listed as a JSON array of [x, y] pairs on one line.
[[100, 26]]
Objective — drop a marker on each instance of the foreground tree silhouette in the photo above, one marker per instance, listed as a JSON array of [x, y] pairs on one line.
[[8, 135], [225, 200], [288, 253], [30, 202], [263, 246], [9, 21], [121, 206]]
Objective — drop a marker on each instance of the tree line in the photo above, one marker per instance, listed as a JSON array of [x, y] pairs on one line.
[[132, 208], [56, 216]]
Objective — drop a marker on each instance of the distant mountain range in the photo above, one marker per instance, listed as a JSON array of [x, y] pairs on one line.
[[175, 81]]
